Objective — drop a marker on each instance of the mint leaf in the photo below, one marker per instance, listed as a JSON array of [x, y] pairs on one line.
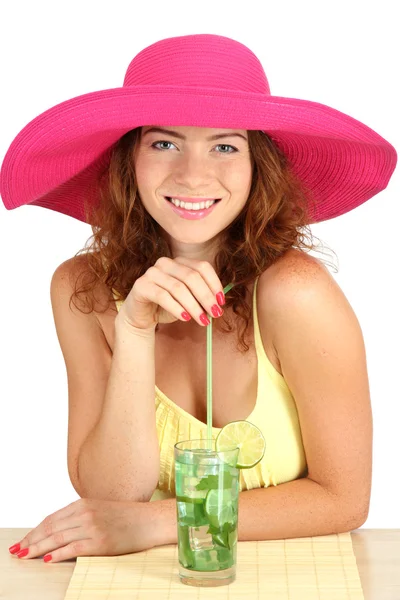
[[213, 482], [212, 529], [208, 483]]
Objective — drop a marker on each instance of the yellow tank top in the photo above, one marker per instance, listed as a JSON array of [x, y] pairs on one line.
[[274, 413]]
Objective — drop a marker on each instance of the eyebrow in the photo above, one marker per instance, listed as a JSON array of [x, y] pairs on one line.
[[182, 137]]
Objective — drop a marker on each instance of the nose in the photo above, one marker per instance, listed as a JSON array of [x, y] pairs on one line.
[[193, 172]]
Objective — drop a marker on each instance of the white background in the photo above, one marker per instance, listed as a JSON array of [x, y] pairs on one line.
[[342, 53]]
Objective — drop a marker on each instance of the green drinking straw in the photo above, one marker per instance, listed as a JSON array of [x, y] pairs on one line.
[[209, 375]]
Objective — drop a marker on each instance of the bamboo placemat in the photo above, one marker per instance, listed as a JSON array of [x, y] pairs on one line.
[[313, 568]]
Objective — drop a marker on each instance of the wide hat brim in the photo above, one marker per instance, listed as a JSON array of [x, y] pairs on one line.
[[55, 161]]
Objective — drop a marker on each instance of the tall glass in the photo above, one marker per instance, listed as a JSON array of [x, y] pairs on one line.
[[207, 494]]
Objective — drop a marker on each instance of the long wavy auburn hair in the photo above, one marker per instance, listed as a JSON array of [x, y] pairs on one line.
[[126, 240]]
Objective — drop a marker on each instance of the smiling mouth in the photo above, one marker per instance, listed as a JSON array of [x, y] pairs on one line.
[[216, 200]]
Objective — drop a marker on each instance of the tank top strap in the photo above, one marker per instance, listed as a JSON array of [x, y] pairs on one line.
[[263, 360]]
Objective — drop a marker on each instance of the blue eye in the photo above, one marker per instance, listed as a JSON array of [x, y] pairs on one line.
[[228, 146], [161, 142], [155, 144]]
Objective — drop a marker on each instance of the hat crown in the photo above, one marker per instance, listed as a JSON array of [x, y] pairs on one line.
[[201, 61]]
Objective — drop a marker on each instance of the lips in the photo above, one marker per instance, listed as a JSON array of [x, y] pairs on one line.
[[192, 214], [169, 198]]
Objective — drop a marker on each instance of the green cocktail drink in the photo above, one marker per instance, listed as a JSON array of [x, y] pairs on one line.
[[207, 493]]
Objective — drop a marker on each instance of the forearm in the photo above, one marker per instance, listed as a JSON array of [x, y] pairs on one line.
[[120, 458], [299, 508]]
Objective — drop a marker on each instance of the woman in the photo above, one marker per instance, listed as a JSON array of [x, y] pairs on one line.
[[195, 122]]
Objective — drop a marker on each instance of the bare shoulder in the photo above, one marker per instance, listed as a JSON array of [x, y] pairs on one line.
[[65, 278], [294, 266], [294, 276], [68, 271], [298, 292]]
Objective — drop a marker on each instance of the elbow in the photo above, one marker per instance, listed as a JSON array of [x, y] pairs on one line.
[[348, 511], [74, 479], [95, 483], [362, 516], [120, 492], [349, 521], [362, 512]]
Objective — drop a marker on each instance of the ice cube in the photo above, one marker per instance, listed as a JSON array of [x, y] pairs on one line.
[[190, 491], [199, 539]]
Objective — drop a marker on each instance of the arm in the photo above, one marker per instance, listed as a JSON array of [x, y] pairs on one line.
[[299, 508], [120, 458], [320, 347], [111, 398]]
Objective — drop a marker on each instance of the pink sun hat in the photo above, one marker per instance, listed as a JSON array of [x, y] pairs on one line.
[[202, 80]]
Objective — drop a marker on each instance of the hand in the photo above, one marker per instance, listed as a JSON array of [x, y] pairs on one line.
[[169, 288], [90, 527]]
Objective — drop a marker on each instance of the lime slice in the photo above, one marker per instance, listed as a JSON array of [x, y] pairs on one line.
[[218, 507], [247, 437], [191, 499]]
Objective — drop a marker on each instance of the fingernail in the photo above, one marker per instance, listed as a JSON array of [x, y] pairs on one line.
[[14, 549], [186, 316], [47, 557], [220, 298], [204, 319], [216, 311], [23, 553]]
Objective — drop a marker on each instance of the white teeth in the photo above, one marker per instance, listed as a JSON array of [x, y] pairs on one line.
[[192, 205]]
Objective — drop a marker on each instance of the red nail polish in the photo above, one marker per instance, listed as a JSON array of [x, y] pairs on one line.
[[23, 553], [14, 549], [204, 319], [47, 557], [186, 316], [220, 298], [216, 311]]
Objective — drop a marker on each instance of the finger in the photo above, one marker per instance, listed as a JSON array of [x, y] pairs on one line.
[[50, 544], [147, 288], [206, 270], [174, 296], [52, 523], [187, 286], [84, 547]]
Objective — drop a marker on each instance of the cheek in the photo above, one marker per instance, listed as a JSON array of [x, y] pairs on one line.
[[148, 173], [238, 177]]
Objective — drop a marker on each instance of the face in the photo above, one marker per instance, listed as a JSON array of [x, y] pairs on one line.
[[195, 163]]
